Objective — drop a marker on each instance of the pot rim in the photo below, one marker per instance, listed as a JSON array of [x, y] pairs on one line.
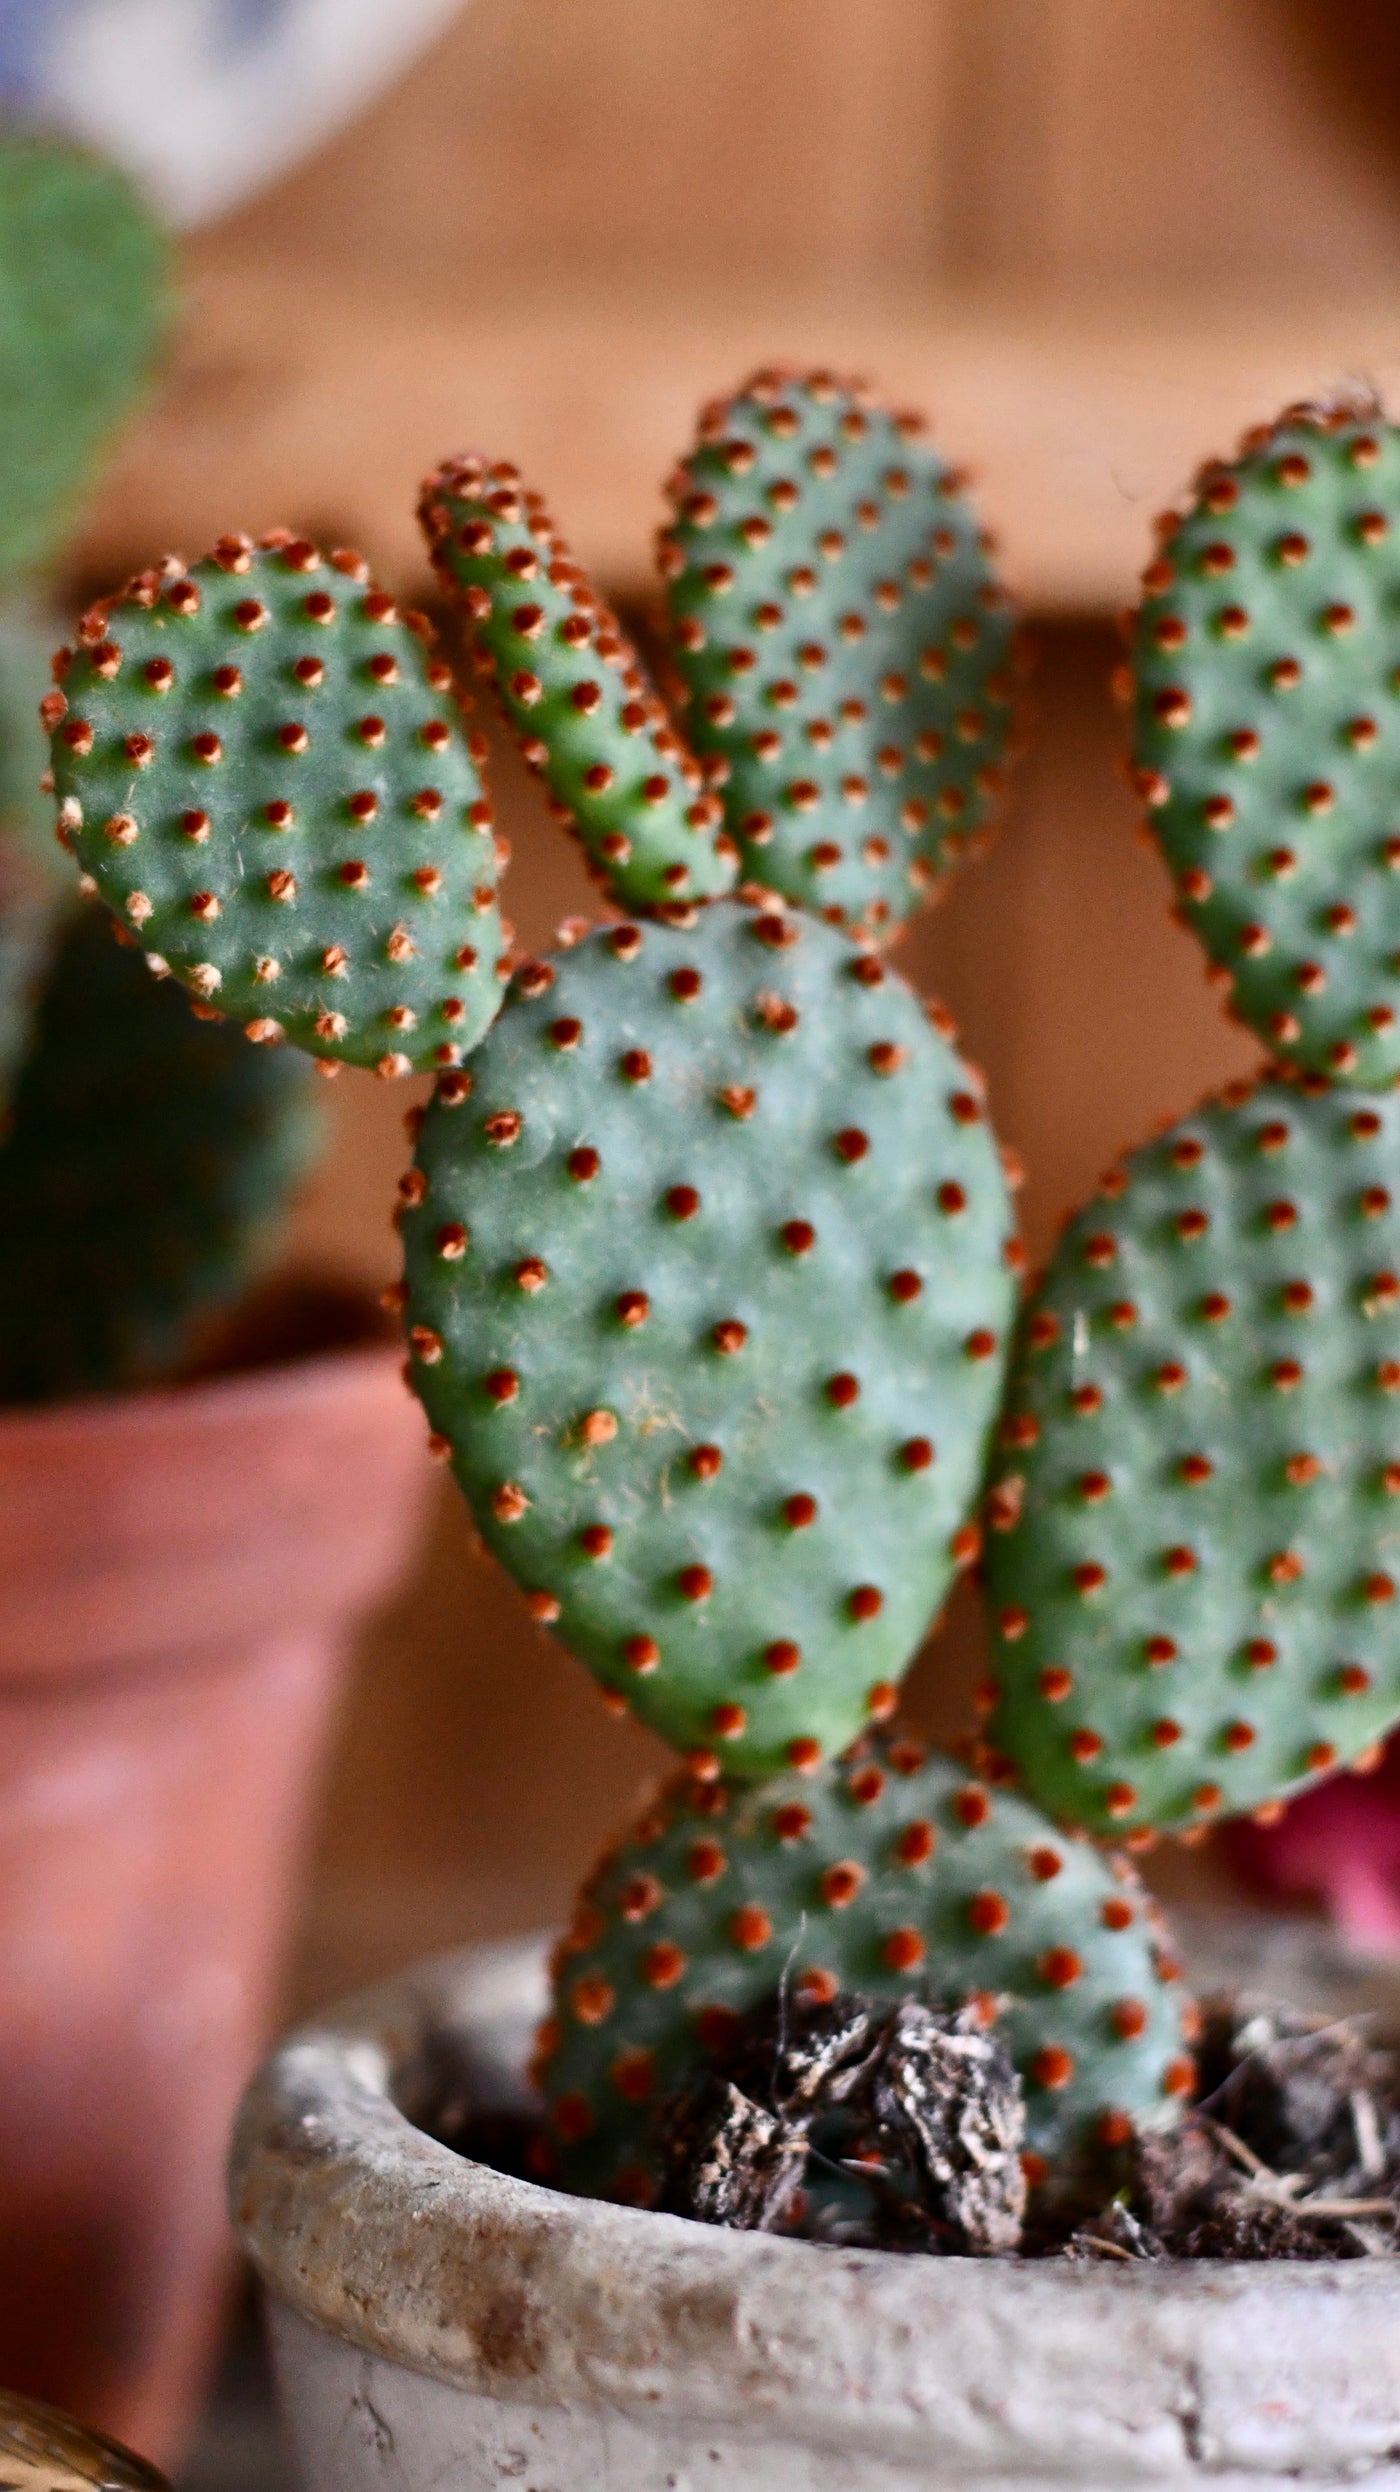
[[377, 2235], [234, 1393]]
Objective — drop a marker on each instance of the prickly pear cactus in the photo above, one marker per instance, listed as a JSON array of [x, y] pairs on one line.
[[85, 305], [1266, 665], [263, 769], [891, 1873], [844, 646], [709, 1267], [1194, 1565], [573, 690], [149, 1159]]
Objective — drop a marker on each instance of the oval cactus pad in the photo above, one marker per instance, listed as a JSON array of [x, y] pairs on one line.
[[1267, 685], [843, 644], [1194, 1565], [264, 771], [709, 1281], [572, 688], [892, 1875]]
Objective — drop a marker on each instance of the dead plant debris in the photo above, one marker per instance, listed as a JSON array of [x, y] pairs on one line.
[[898, 2127], [1292, 2150]]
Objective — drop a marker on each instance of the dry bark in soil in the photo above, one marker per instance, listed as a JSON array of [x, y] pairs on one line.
[[900, 2128]]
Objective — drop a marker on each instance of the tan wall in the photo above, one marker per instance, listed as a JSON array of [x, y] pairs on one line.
[[1075, 144]]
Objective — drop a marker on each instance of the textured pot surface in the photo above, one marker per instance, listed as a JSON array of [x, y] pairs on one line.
[[436, 2322], [178, 1573]]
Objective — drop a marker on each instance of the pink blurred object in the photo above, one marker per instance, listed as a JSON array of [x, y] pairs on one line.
[[1338, 1845]]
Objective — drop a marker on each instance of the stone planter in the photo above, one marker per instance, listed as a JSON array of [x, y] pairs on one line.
[[435, 2322], [181, 1575]]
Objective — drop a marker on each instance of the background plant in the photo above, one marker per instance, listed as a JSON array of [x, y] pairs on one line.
[[145, 1158]]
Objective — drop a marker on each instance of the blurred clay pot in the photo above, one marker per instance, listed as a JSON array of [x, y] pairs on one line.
[[181, 1575]]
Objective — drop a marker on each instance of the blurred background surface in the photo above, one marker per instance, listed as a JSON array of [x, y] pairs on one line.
[[1094, 241]]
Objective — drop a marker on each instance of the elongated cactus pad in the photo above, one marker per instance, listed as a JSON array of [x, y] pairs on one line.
[[85, 304], [708, 1268], [263, 769], [572, 688], [843, 642], [890, 1874], [149, 1160], [1267, 668], [1194, 1566]]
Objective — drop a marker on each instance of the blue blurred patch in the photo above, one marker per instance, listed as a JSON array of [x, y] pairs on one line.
[[25, 33], [249, 21]]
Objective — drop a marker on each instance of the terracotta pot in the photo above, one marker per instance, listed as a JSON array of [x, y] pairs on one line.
[[180, 1576], [435, 2322]]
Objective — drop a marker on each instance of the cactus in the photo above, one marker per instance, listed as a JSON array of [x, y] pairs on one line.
[[1264, 681], [843, 645], [708, 1289], [891, 1874], [1191, 1567], [709, 1265], [147, 1161], [1191, 1564], [260, 766], [571, 686], [85, 305], [707, 1268]]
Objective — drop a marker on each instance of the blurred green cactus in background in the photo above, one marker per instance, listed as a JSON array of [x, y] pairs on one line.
[[86, 302], [143, 1158]]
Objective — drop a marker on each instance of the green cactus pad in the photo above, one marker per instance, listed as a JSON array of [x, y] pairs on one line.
[[1194, 1566], [573, 690], [149, 1159], [891, 1874], [85, 304], [843, 643], [1267, 735], [709, 1285], [264, 771]]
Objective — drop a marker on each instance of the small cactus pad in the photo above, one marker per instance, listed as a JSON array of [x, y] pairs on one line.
[[890, 1874], [843, 642], [85, 303], [573, 690], [264, 771], [149, 1160], [709, 1288], [1194, 1559], [1267, 686]]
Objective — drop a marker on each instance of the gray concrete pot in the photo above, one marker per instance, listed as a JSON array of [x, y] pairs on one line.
[[436, 2324]]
